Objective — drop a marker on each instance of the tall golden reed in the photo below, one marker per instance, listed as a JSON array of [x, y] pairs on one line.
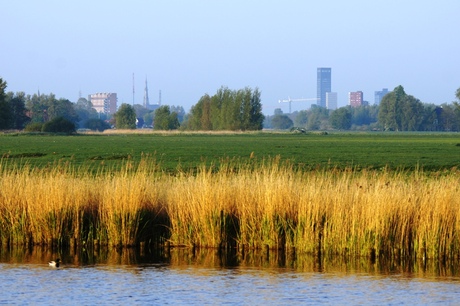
[[258, 204]]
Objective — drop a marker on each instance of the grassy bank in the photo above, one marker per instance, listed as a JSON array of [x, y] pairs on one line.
[[266, 203]]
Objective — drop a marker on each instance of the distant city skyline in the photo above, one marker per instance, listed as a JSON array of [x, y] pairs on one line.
[[192, 48]]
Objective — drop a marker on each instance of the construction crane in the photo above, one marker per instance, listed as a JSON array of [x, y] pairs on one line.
[[289, 100]]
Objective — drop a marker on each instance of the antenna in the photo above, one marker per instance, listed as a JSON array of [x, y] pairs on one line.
[[146, 95], [133, 88]]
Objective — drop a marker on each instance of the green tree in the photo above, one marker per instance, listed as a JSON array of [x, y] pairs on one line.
[[231, 109], [85, 111], [301, 118], [59, 125], [457, 104], [364, 115], [400, 112], [199, 118], [317, 118], [96, 124], [227, 110], [61, 108], [16, 102], [164, 119], [430, 118], [5, 110], [179, 110], [46, 107], [314, 122], [196, 111], [340, 119], [449, 117], [281, 122], [125, 117], [256, 115], [36, 108]]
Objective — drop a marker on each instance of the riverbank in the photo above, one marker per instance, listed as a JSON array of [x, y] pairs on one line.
[[263, 205]]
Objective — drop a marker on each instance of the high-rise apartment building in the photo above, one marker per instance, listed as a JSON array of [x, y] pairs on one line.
[[323, 85], [378, 95], [331, 100], [104, 102], [355, 98]]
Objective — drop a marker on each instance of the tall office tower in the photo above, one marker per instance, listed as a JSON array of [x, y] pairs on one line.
[[378, 95], [331, 100], [355, 98], [323, 85], [104, 102]]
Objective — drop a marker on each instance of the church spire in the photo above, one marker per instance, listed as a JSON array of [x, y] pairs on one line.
[[146, 95]]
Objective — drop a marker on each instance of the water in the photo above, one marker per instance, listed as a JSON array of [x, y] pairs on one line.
[[206, 278]]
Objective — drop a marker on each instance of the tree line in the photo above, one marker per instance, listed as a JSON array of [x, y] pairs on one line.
[[397, 111], [225, 110]]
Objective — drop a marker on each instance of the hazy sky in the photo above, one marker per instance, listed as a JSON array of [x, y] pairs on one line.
[[189, 48]]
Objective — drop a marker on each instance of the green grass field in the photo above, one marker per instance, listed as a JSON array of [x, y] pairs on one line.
[[429, 151]]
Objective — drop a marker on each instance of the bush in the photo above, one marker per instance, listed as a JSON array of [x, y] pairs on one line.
[[34, 127], [59, 125], [97, 124]]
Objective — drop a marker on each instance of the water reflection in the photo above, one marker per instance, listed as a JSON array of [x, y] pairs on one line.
[[207, 276], [215, 259]]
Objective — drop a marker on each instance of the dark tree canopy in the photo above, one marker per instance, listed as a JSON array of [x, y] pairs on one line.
[[125, 117], [341, 118], [282, 122], [59, 125], [400, 112], [96, 124], [5, 113], [164, 119]]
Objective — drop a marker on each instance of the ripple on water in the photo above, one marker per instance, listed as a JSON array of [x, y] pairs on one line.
[[199, 280]]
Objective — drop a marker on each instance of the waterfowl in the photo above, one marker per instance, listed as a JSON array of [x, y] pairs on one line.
[[54, 263]]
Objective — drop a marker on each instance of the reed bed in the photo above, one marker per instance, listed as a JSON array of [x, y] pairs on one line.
[[265, 204]]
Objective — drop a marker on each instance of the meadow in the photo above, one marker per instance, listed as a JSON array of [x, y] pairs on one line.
[[171, 151], [390, 195]]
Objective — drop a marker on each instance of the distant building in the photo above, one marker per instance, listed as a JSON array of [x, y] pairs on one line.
[[331, 100], [323, 85], [355, 98], [104, 102], [146, 103], [378, 95]]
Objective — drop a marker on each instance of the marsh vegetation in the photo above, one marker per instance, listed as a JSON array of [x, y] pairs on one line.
[[255, 204]]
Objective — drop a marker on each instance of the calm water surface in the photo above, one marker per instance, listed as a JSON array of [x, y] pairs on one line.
[[206, 278]]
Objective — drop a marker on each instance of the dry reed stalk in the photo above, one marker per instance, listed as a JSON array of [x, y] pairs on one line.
[[265, 199], [198, 207], [268, 204], [437, 219], [128, 202]]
